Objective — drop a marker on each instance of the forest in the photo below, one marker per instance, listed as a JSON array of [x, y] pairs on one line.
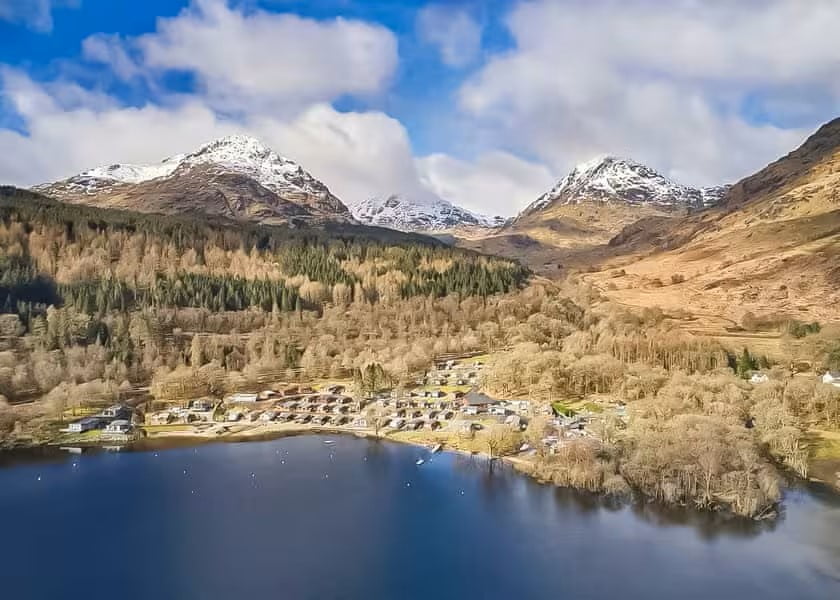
[[97, 306]]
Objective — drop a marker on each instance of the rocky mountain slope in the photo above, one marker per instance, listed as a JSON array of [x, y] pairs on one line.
[[771, 246], [617, 180], [235, 177], [433, 215]]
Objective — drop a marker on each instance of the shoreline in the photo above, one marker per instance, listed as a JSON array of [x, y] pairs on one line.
[[264, 432]]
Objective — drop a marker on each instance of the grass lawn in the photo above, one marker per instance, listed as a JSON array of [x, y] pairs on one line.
[[825, 444], [563, 409], [169, 427]]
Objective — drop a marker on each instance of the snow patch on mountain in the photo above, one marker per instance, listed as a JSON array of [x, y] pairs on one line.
[[611, 179], [433, 214], [239, 154]]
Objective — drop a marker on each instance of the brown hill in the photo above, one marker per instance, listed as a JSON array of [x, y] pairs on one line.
[[773, 245]]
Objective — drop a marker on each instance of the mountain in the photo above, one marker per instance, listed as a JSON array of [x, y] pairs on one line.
[[611, 179], [235, 177], [772, 244], [403, 214]]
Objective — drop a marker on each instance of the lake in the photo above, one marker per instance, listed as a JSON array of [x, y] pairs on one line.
[[298, 518]]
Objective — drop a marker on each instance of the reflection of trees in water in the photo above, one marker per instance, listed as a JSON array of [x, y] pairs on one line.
[[379, 455], [496, 475], [709, 525]]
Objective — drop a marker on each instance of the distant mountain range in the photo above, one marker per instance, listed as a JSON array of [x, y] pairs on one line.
[[431, 215], [235, 177]]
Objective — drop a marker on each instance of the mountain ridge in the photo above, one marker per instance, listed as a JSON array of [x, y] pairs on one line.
[[433, 215], [235, 176], [613, 179]]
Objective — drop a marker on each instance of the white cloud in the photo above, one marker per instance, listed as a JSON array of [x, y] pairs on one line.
[[495, 183], [453, 31], [70, 130], [358, 155], [36, 14], [267, 75], [665, 83], [263, 61], [111, 49]]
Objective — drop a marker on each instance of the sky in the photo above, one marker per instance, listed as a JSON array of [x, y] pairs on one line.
[[482, 103]]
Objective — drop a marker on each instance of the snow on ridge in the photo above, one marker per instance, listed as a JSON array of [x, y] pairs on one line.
[[239, 154], [610, 178], [397, 212]]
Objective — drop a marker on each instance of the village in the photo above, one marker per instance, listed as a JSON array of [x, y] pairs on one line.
[[444, 406]]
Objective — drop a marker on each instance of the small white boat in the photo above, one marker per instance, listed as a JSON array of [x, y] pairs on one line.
[[329, 442], [437, 448], [419, 462], [524, 448]]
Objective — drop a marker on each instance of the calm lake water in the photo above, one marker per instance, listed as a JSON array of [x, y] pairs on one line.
[[296, 518]]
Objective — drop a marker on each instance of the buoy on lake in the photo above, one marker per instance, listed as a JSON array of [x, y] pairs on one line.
[[39, 478]]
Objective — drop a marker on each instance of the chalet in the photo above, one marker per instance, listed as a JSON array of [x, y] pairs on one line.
[[86, 424], [498, 410], [336, 389], [307, 390], [434, 394], [361, 422], [435, 425], [201, 405], [520, 406], [396, 423], [162, 418], [759, 378], [233, 415], [472, 410], [267, 394], [118, 427], [117, 411], [303, 418], [514, 421], [268, 415], [291, 391], [482, 401], [321, 420], [446, 415], [831, 378], [244, 397], [415, 424]]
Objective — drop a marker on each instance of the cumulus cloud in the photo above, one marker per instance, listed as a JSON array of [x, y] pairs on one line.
[[357, 154], [666, 83], [452, 30], [494, 183], [36, 14], [260, 60]]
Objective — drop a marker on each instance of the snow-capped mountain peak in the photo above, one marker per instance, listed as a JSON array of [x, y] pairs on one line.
[[234, 155], [615, 179], [428, 214]]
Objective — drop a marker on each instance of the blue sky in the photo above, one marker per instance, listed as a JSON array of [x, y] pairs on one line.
[[483, 103]]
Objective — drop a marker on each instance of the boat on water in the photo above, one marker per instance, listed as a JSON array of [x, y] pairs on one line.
[[329, 442], [419, 462], [437, 448]]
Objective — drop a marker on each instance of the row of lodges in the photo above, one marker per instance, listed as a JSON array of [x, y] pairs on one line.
[[114, 420]]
